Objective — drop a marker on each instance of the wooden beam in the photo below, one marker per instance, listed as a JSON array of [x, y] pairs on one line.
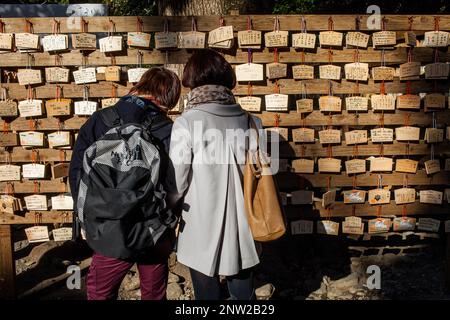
[[293, 150], [45, 186], [340, 209], [287, 55], [33, 217], [19, 154], [290, 180], [7, 264], [345, 118], [207, 23], [287, 86]]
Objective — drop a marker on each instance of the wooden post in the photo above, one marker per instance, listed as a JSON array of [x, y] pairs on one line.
[[7, 265], [447, 264]]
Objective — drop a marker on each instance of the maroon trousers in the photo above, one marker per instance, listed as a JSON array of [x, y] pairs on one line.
[[106, 274]]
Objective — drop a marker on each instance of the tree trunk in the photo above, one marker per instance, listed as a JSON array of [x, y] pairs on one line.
[[191, 7]]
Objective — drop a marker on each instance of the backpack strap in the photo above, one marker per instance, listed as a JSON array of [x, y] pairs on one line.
[[110, 117]]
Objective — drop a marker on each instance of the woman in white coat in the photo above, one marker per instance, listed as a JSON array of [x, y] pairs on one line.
[[208, 152]]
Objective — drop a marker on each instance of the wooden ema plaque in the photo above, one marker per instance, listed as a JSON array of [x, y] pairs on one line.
[[304, 105], [330, 39], [276, 39], [135, 74], [36, 202], [304, 135], [31, 139], [354, 196], [328, 198], [6, 41], [112, 73], [408, 101], [436, 39], [330, 136], [434, 135], [37, 234], [432, 166], [434, 101], [30, 108], [249, 39], [250, 103], [382, 135], [59, 139], [108, 102], [8, 139], [330, 104], [62, 202], [219, 35], [349, 228], [249, 72], [62, 234], [406, 165], [384, 39], [84, 41], [302, 197], [60, 170], [26, 40], [357, 39], [29, 76], [404, 224], [355, 166], [407, 133], [276, 70], [356, 103], [58, 107], [357, 71], [304, 40], [410, 38], [330, 72], [111, 44], [276, 102], [381, 164], [328, 227], [379, 225], [329, 165], [405, 195], [430, 196], [303, 72], [382, 102], [9, 172], [429, 224], [55, 42], [57, 75], [34, 171], [410, 71], [85, 75], [303, 165], [191, 40], [356, 137], [138, 39], [8, 108], [302, 227], [383, 73], [437, 71], [166, 40], [379, 196]]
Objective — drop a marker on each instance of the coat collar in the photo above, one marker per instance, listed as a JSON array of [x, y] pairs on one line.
[[223, 110]]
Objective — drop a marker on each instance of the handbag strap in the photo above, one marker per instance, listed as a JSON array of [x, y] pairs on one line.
[[255, 165]]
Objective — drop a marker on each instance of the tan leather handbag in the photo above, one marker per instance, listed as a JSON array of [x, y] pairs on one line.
[[262, 201]]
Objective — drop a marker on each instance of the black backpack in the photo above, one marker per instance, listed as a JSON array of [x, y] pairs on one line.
[[121, 200]]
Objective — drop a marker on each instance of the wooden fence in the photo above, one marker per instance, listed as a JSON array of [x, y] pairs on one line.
[[290, 179]]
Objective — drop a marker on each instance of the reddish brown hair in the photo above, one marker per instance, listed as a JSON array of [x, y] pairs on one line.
[[161, 84], [208, 67]]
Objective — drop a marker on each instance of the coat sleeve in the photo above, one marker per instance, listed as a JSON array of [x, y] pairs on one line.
[[88, 134], [181, 159]]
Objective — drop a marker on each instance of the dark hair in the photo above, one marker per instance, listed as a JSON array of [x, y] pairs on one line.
[[208, 67], [161, 84]]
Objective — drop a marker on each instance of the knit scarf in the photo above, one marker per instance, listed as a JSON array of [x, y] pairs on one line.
[[209, 94]]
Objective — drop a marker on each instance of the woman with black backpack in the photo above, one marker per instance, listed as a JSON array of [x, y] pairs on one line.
[[118, 244]]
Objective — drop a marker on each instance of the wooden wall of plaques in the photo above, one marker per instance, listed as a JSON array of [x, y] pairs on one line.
[[385, 105]]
